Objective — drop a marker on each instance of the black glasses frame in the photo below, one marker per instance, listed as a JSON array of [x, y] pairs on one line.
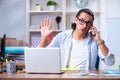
[[88, 23]]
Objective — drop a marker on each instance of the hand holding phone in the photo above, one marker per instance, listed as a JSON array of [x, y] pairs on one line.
[[95, 33], [91, 33]]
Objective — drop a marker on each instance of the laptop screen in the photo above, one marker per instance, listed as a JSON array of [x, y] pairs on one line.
[[42, 60]]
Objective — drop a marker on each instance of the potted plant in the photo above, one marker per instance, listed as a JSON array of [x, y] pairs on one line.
[[51, 4]]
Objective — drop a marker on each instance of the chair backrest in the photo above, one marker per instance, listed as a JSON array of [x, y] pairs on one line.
[[97, 63], [3, 47], [51, 36]]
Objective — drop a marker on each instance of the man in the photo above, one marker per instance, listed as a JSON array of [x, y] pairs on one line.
[[76, 43]]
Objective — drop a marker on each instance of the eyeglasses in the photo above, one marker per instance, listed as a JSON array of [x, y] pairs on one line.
[[88, 23]]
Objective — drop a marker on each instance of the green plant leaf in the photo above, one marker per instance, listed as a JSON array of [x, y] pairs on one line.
[[51, 3]]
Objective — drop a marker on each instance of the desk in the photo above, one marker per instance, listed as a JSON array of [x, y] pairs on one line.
[[64, 76]]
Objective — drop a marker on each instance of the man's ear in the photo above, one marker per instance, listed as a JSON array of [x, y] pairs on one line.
[[75, 20]]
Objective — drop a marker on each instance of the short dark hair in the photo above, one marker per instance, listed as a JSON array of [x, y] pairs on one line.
[[85, 10]]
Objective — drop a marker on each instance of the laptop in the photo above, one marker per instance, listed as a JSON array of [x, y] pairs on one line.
[[42, 60]]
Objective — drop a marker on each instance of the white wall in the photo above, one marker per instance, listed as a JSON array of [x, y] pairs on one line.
[[13, 18], [113, 31]]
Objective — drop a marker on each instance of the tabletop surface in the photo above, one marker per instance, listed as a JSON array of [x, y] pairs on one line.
[[93, 75]]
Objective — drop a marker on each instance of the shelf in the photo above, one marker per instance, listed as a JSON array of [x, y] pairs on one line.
[[74, 12], [51, 12], [38, 30], [18, 64], [34, 30]]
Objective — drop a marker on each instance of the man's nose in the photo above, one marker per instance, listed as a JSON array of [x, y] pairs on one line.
[[84, 25]]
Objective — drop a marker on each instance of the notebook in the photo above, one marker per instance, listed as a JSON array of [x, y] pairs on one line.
[[42, 60]]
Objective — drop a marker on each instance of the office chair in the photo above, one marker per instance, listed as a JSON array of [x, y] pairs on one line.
[[2, 48], [97, 63]]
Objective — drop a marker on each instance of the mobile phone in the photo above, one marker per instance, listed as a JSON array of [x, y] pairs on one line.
[[91, 33]]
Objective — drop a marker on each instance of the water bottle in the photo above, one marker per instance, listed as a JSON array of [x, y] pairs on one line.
[[84, 69]]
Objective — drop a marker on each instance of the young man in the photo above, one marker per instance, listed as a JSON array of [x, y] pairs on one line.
[[76, 43]]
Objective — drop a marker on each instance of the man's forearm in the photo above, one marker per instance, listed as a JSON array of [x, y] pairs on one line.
[[104, 48], [43, 42]]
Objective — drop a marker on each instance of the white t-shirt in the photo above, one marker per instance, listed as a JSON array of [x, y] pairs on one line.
[[79, 54]]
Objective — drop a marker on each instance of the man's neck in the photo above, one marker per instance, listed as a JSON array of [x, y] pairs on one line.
[[78, 36]]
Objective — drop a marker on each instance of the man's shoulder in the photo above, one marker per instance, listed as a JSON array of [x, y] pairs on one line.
[[67, 33]]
